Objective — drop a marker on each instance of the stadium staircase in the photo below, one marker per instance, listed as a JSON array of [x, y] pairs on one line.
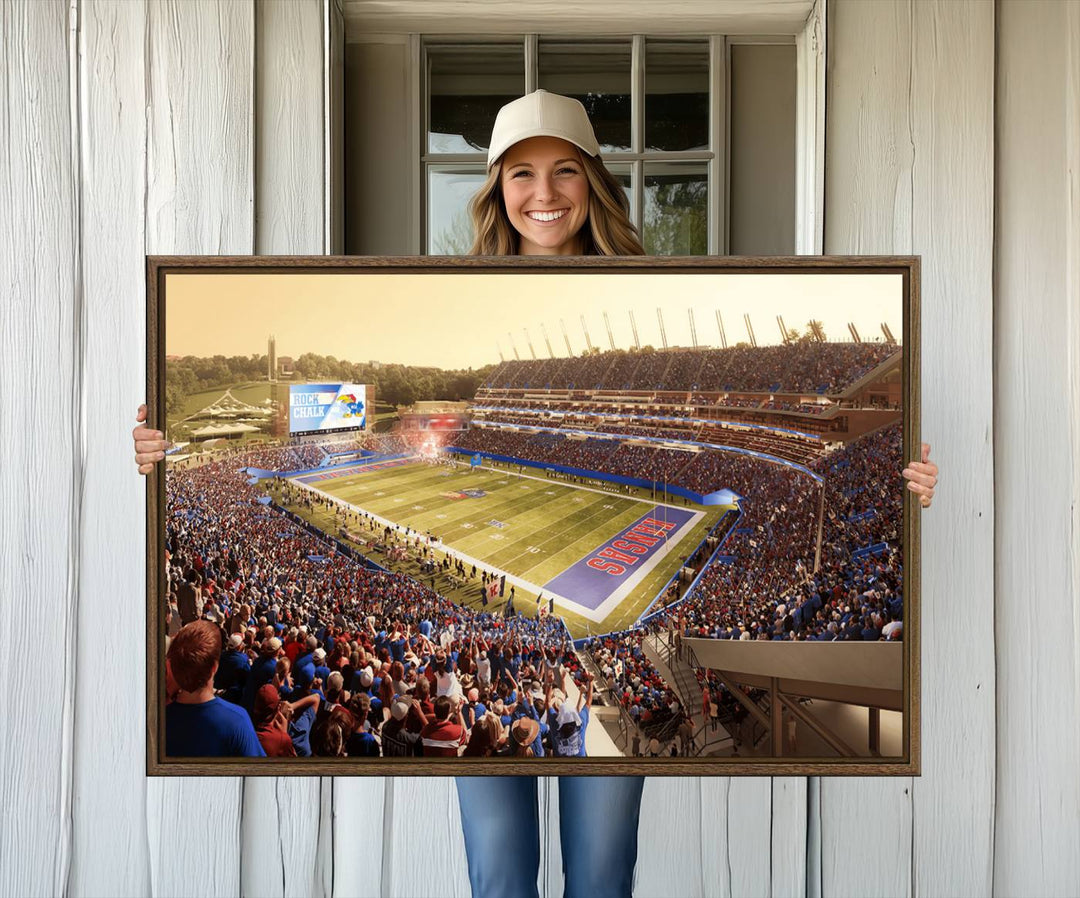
[[615, 723], [683, 680]]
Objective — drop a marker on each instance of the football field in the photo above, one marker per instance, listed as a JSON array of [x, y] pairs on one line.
[[601, 553]]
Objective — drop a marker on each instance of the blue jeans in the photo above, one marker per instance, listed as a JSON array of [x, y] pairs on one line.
[[598, 823]]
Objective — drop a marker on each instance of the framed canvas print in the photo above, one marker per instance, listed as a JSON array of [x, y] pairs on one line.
[[533, 516]]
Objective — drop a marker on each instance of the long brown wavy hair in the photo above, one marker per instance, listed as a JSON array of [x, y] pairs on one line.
[[607, 230]]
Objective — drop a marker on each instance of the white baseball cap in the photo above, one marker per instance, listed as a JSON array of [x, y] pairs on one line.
[[541, 114]]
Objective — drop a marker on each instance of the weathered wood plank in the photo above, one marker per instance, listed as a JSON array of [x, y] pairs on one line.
[[41, 473], [868, 151], [868, 196], [289, 130], [670, 838], [551, 875], [423, 848], [286, 849], [736, 844], [200, 184], [359, 823], [1037, 449], [280, 833], [953, 229], [789, 822], [199, 200], [910, 170], [110, 782]]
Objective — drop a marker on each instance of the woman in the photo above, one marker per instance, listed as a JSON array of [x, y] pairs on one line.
[[548, 193]]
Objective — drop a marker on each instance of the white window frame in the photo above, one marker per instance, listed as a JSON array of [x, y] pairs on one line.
[[810, 125]]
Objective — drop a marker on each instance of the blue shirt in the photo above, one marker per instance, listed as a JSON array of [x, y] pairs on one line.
[[362, 745], [232, 670], [213, 729], [397, 649], [529, 710], [561, 744], [584, 715], [300, 732], [262, 672]]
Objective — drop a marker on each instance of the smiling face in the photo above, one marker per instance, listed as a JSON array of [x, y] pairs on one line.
[[546, 195]]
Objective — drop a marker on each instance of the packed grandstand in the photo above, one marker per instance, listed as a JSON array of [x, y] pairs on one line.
[[331, 653]]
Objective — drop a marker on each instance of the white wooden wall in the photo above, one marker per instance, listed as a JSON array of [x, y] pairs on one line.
[[199, 127]]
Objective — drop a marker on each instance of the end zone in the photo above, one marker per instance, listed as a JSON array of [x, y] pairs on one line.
[[604, 577]]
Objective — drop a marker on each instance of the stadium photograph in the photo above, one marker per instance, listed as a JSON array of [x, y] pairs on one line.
[[648, 516]]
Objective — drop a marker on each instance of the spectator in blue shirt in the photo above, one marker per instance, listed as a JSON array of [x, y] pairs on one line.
[[233, 670], [198, 724]]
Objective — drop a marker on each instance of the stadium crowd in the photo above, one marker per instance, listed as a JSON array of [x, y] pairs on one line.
[[323, 656], [359, 662], [792, 368], [780, 442], [765, 587]]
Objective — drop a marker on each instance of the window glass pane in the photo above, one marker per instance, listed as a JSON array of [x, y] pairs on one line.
[[597, 74], [624, 176], [466, 86], [676, 95], [676, 209], [450, 231]]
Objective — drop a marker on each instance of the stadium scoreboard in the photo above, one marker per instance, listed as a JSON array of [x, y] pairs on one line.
[[323, 408]]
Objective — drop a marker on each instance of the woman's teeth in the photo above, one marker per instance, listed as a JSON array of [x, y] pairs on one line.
[[546, 216]]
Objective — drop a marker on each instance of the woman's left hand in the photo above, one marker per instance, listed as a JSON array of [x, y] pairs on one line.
[[922, 477]]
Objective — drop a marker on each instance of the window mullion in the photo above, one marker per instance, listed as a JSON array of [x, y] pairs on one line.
[[532, 62], [725, 143], [717, 185], [420, 229], [637, 129]]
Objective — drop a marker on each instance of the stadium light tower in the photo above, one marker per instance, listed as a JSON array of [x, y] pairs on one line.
[[818, 330], [663, 332], [588, 340], [502, 358], [720, 324], [513, 345], [820, 530], [783, 330], [610, 338], [854, 332], [749, 329], [633, 327], [528, 340], [566, 337], [887, 331], [693, 329], [543, 330]]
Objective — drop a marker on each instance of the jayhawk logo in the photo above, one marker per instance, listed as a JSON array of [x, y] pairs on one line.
[[355, 407]]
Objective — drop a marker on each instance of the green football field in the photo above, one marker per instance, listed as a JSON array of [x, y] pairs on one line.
[[525, 525]]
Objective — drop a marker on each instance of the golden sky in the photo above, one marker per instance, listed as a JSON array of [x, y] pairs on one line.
[[464, 320]]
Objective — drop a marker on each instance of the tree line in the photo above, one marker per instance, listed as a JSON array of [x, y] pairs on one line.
[[394, 384]]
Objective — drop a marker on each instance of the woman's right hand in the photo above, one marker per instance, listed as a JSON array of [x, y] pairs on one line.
[[150, 444]]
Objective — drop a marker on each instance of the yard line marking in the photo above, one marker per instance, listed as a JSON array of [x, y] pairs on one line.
[[592, 489]]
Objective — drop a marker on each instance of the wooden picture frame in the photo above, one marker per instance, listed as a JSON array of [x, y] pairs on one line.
[[426, 292]]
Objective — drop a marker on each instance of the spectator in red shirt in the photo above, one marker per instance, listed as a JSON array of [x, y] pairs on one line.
[[443, 736], [272, 723]]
